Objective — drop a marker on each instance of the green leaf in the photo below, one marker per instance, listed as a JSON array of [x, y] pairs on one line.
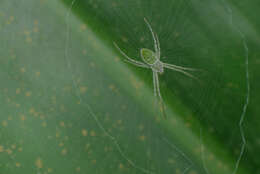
[[71, 104]]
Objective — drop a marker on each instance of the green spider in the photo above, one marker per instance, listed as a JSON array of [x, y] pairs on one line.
[[152, 60]]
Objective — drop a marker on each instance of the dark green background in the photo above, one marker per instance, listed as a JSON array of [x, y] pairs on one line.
[[70, 104]]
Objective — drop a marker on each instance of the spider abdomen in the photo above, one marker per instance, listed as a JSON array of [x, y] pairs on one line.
[[148, 56]]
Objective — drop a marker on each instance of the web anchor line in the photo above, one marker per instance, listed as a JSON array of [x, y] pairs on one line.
[[203, 153], [247, 97], [182, 153], [247, 89]]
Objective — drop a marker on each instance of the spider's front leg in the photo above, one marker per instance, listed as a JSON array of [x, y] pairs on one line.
[[155, 39], [130, 60]]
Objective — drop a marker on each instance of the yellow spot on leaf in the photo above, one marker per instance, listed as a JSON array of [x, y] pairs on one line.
[[177, 34], [57, 134], [112, 87], [8, 100], [116, 59], [18, 91], [62, 124], [141, 39], [171, 161], [39, 163], [28, 39], [119, 121], [35, 29], [28, 94], [219, 164], [32, 110], [20, 149], [23, 70], [120, 166], [78, 169], [11, 18], [124, 39], [49, 170], [9, 151], [83, 27], [142, 138], [187, 124], [42, 117], [93, 133], [84, 132], [26, 32], [4, 123], [18, 164], [211, 157], [44, 124], [13, 146], [136, 83], [61, 144], [83, 89], [23, 117], [1, 148], [94, 161], [38, 73], [64, 151], [193, 172], [177, 171]]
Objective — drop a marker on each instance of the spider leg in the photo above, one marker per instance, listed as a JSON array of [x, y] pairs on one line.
[[136, 63], [155, 102], [172, 67], [130, 60], [154, 84], [178, 67], [162, 107], [154, 38], [158, 47]]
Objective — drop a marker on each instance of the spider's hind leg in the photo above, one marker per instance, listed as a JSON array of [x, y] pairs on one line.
[[158, 95], [182, 70]]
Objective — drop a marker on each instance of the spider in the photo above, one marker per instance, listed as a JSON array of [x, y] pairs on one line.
[[152, 60]]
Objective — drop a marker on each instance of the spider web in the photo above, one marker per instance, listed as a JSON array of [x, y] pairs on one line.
[[73, 105]]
